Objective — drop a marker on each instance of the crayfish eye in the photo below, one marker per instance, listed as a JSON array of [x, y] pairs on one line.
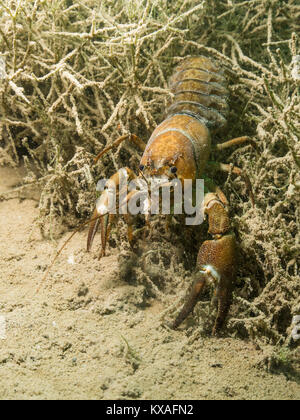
[[173, 169], [141, 167]]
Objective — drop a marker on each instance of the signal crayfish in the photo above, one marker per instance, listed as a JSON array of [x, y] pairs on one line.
[[179, 149]]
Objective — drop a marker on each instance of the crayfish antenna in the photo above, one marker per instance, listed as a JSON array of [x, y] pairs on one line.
[[107, 149], [62, 247], [131, 137]]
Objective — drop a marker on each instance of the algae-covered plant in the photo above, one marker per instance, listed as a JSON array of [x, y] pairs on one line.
[[75, 75]]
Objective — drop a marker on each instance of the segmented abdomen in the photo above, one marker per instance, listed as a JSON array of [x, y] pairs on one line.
[[200, 91]]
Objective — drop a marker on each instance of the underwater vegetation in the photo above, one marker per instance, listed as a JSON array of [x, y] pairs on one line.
[[76, 75]]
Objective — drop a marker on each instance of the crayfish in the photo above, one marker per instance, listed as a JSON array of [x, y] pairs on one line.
[[179, 150]]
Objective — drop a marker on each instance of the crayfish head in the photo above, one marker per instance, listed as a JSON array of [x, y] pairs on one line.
[[169, 155]]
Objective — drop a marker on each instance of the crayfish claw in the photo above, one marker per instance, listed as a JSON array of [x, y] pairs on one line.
[[92, 230], [216, 263]]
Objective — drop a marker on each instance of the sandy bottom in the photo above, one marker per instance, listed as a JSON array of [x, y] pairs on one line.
[[88, 335]]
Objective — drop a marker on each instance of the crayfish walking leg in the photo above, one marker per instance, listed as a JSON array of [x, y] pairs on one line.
[[216, 263]]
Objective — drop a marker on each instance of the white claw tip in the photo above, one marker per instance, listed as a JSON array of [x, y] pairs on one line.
[[211, 272]]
